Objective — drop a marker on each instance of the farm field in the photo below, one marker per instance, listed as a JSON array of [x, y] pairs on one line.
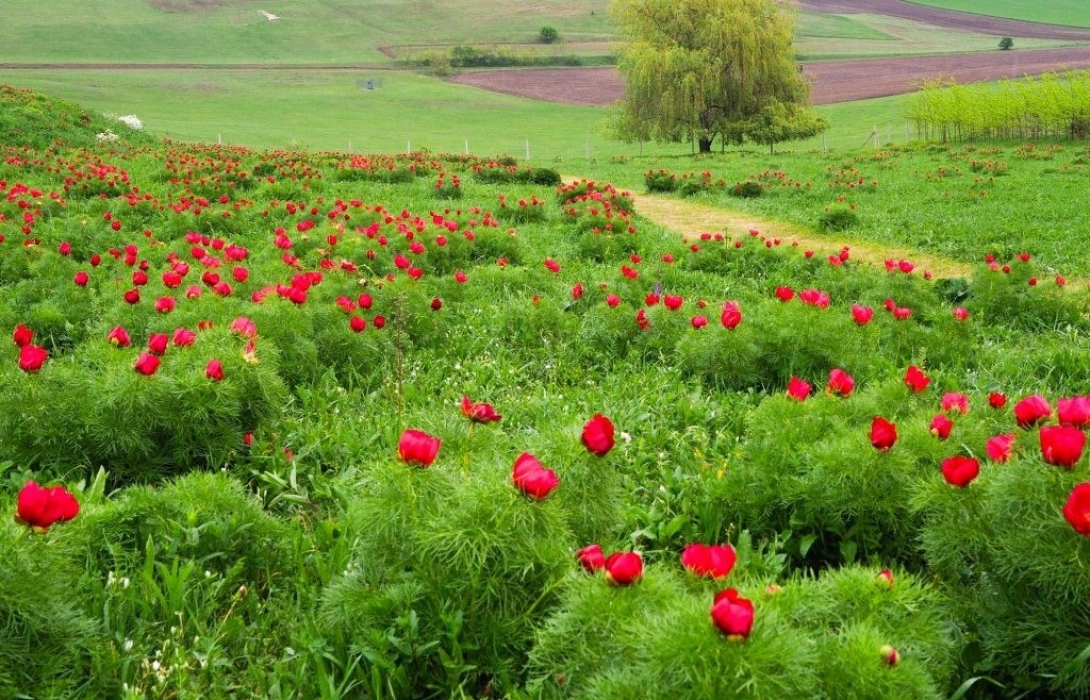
[[367, 413], [1047, 12]]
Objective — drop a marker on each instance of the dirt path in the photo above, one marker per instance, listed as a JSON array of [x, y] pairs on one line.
[[689, 219]]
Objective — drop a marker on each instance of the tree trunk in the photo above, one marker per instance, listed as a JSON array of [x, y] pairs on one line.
[[705, 144]]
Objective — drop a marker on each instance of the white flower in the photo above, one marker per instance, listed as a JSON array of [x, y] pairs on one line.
[[106, 137], [132, 121]]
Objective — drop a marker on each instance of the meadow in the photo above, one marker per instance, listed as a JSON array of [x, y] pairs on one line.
[[1068, 14], [317, 424], [367, 401]]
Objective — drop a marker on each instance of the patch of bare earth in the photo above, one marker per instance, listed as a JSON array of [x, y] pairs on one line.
[[831, 81], [690, 219], [981, 24]]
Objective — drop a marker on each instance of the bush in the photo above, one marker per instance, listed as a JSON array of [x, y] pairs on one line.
[[747, 189], [660, 181], [838, 217], [548, 35]]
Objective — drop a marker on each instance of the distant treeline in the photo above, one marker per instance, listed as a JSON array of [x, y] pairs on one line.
[[444, 61], [1051, 105]]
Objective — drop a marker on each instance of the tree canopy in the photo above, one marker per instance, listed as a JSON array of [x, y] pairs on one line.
[[702, 69]]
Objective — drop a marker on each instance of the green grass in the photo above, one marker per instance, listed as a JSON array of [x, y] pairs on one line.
[[329, 110], [881, 35], [1072, 13], [338, 31], [957, 202], [822, 26]]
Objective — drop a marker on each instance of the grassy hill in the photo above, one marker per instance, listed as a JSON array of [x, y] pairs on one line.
[[233, 31]]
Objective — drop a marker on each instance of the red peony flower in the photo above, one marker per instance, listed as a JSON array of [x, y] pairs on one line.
[[1077, 509], [184, 338], [417, 448], [81, 278], [785, 293], [598, 435], [436, 304], [1074, 411], [731, 316], [479, 412], [1032, 410], [798, 389], [244, 326], [1000, 448], [815, 297], [592, 558], [960, 313], [1061, 445], [959, 470], [698, 322], [357, 323], [119, 337], [552, 265], [532, 478], [22, 335], [673, 302], [997, 399], [941, 426], [714, 560], [890, 656], [732, 614], [577, 291], [32, 357], [623, 568], [214, 370], [164, 305], [915, 379], [883, 434], [613, 301], [157, 343], [840, 383], [862, 315], [147, 364], [953, 401], [885, 578], [132, 296], [41, 507]]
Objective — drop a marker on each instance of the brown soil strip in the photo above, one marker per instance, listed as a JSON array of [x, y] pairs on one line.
[[981, 24], [832, 81]]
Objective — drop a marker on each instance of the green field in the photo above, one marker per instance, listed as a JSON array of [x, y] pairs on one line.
[[1072, 13], [331, 31], [331, 110], [856, 36]]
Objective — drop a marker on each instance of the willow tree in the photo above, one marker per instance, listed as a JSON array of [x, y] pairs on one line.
[[702, 69]]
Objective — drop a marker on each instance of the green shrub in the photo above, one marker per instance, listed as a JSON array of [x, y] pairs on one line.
[[747, 189], [838, 217], [454, 568], [49, 646], [660, 181]]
